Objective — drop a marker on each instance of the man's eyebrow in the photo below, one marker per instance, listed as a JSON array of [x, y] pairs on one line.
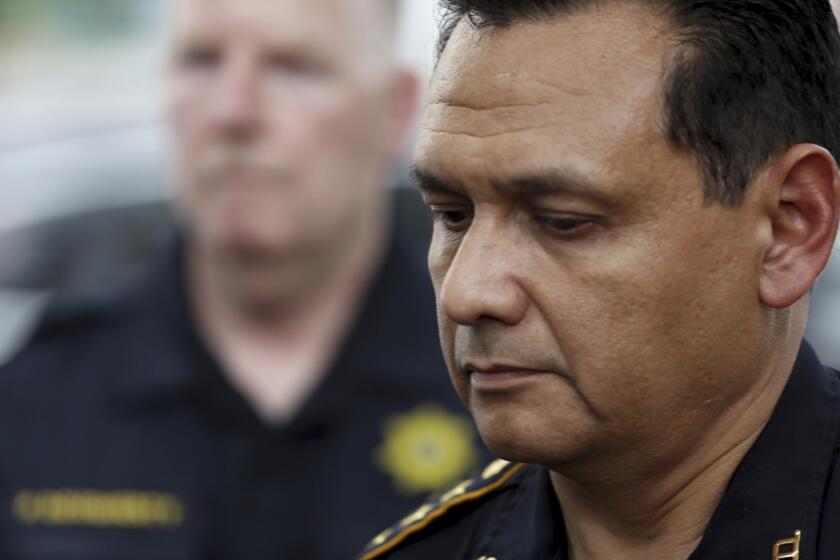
[[552, 181], [430, 183], [532, 185]]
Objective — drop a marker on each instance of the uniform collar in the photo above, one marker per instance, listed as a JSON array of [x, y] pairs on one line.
[[778, 488], [164, 354], [535, 511]]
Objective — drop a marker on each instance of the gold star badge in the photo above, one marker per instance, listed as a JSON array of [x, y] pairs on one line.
[[427, 449]]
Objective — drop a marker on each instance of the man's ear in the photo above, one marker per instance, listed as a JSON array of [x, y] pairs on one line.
[[804, 187], [405, 96]]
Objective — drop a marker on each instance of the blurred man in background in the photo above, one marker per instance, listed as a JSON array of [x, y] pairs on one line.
[[277, 390]]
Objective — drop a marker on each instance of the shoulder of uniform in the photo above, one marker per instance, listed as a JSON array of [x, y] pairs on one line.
[[71, 322], [65, 328], [62, 317], [494, 477]]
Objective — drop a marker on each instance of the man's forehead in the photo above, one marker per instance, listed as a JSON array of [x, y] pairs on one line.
[[276, 17], [609, 52], [585, 86]]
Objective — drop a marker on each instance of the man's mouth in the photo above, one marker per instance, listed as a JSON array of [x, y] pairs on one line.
[[500, 376]]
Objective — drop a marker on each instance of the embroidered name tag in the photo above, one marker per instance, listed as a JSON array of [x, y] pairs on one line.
[[99, 508]]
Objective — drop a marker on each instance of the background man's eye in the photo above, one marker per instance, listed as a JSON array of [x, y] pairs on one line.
[[199, 58], [297, 66]]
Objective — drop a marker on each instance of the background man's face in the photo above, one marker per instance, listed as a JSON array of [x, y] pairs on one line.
[[281, 116], [571, 240]]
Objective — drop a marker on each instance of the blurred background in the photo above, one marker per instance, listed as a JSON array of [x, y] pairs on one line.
[[84, 152], [84, 167]]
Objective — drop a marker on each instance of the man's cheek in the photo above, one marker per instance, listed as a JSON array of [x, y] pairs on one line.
[[446, 332], [447, 339]]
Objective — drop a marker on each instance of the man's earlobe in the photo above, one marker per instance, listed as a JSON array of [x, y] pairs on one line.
[[804, 219]]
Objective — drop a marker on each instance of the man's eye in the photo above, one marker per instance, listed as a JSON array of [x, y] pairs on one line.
[[451, 218], [199, 58], [297, 66], [566, 225]]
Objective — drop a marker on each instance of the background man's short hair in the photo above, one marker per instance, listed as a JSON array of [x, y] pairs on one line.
[[748, 79]]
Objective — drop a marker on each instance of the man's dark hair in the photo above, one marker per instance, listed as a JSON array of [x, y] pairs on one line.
[[748, 79]]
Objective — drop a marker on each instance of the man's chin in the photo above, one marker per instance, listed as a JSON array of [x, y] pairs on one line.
[[519, 440], [265, 288]]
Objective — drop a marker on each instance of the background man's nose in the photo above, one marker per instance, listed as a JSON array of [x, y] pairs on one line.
[[481, 283], [236, 103]]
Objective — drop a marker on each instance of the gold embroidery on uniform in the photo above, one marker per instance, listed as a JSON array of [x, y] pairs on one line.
[[494, 468], [418, 515], [436, 512], [380, 538], [792, 553], [96, 508], [457, 491]]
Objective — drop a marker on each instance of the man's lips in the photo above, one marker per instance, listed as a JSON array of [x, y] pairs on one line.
[[494, 368], [500, 376]]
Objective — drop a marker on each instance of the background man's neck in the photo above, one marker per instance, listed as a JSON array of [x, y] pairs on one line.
[[276, 350]]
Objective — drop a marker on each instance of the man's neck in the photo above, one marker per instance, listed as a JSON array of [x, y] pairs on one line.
[[662, 510], [277, 351]]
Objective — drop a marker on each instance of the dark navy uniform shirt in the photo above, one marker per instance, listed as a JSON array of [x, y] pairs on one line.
[[120, 437], [783, 498]]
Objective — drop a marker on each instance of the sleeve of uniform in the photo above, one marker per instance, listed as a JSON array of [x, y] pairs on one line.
[[446, 525]]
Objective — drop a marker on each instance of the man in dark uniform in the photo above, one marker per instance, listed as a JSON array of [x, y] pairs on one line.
[[633, 201], [276, 390]]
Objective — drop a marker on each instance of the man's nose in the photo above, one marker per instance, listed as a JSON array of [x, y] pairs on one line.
[[236, 100], [483, 281]]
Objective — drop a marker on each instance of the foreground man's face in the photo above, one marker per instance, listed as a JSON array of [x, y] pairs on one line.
[[589, 301]]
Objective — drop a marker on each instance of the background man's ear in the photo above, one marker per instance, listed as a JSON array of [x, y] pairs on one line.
[[805, 210]]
